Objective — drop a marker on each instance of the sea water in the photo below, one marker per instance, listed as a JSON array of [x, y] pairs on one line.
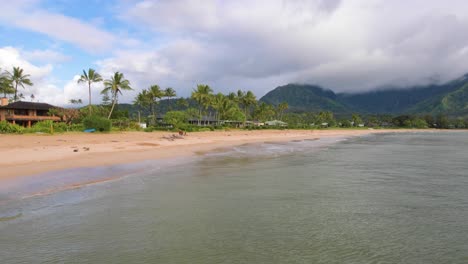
[[390, 198]]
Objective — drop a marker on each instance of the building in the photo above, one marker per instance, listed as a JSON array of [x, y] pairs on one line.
[[25, 113], [276, 123]]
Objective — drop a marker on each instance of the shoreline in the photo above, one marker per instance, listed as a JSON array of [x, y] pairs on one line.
[[30, 155]]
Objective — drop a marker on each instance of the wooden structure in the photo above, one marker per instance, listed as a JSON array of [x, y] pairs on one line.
[[25, 113]]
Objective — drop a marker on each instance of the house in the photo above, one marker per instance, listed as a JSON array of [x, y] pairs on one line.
[[204, 121], [25, 113], [276, 123]]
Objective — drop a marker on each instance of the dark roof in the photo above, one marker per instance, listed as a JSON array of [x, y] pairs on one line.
[[28, 105]]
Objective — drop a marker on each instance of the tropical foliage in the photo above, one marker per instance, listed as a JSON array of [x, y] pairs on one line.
[[89, 77], [115, 85], [17, 77]]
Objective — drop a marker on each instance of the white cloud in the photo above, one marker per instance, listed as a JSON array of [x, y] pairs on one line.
[[44, 88], [48, 55], [26, 14], [346, 45]]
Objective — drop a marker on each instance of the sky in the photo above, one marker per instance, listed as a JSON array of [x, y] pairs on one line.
[[343, 45]]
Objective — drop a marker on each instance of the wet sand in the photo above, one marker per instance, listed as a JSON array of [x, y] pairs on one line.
[[29, 155]]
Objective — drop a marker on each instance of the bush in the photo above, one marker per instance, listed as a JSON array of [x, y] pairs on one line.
[[101, 124], [125, 124], [6, 127], [76, 127], [47, 126]]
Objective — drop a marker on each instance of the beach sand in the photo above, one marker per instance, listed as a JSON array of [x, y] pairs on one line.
[[29, 155]]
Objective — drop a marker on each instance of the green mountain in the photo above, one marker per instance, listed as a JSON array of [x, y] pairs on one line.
[[305, 98], [450, 98], [453, 103]]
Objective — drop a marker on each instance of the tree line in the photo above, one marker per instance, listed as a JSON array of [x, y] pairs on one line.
[[239, 106]]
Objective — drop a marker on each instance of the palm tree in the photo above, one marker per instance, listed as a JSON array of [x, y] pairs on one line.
[[115, 85], [233, 97], [18, 78], [169, 93], [217, 103], [202, 95], [141, 100], [247, 100], [264, 111], [90, 77], [281, 108], [154, 94], [5, 84]]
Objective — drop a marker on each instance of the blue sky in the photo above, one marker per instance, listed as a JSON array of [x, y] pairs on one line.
[[344, 45]]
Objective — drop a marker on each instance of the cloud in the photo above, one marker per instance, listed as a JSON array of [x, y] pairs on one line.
[[28, 15], [348, 45], [48, 55], [345, 45], [44, 88]]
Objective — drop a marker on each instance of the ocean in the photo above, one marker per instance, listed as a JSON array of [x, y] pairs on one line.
[[383, 198]]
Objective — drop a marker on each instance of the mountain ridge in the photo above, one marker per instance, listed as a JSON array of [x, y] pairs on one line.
[[449, 98]]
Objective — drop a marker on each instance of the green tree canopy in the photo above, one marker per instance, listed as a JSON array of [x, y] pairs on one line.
[[18, 78], [90, 77], [115, 85]]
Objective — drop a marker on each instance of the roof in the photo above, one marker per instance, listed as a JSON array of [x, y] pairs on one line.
[[276, 123], [28, 105]]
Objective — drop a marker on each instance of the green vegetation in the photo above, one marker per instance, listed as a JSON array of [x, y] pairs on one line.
[[101, 124], [18, 78], [115, 85], [6, 127], [450, 98], [90, 77], [299, 106]]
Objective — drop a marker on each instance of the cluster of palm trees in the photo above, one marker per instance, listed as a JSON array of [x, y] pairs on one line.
[[11, 80], [150, 98], [238, 105], [115, 85]]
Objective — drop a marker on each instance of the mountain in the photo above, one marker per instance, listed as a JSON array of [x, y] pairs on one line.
[[450, 98], [305, 98], [454, 103]]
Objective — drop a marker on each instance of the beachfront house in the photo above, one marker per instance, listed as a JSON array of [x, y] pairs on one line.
[[276, 123], [204, 121], [25, 113]]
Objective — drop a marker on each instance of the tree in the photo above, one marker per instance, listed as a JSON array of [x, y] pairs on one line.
[[182, 103], [154, 95], [76, 101], [115, 85], [281, 108], [6, 86], [356, 119], [90, 77], [442, 121], [169, 93], [247, 100], [176, 118], [18, 78], [217, 103], [202, 95], [141, 100], [32, 97], [264, 111]]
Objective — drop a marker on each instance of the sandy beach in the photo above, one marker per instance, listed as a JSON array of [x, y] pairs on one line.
[[29, 155]]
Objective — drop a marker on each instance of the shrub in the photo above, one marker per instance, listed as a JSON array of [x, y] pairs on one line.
[[76, 127], [47, 126], [176, 118], [6, 127], [101, 124]]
